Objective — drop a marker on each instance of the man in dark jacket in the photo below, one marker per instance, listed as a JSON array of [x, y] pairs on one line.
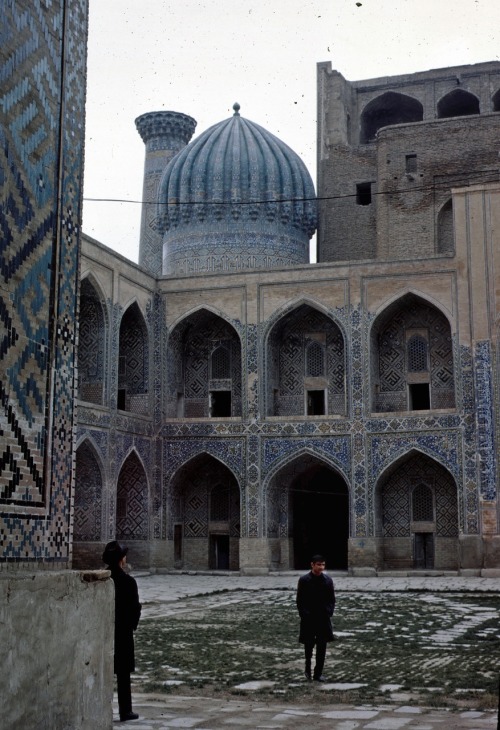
[[127, 614], [316, 603]]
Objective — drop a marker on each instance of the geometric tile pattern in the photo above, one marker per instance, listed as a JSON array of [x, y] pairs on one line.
[[398, 495], [132, 507], [41, 155], [91, 344], [88, 494]]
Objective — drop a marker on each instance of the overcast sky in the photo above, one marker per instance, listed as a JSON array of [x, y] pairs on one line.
[[200, 56]]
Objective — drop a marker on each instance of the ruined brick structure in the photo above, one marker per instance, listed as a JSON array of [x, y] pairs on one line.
[[244, 407]]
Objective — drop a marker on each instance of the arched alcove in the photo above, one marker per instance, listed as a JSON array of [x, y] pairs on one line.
[[457, 103], [132, 501], [88, 494], [417, 515], [91, 344], [307, 512], [445, 232], [204, 519], [406, 377], [204, 368], [133, 362], [305, 365], [387, 109]]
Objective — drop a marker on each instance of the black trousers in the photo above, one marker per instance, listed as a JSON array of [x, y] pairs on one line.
[[124, 693], [320, 657]]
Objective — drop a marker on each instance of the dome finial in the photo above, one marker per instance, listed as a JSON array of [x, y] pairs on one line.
[[236, 108]]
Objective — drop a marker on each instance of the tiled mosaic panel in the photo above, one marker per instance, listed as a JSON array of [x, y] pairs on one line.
[[394, 359], [132, 504], [38, 309], [88, 495], [397, 492], [485, 419], [91, 345]]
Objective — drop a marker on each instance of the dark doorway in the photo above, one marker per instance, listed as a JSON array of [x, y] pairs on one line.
[[423, 550], [220, 403], [320, 509], [419, 397], [219, 552], [315, 402]]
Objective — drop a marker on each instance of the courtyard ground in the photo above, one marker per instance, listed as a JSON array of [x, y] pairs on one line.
[[216, 651]]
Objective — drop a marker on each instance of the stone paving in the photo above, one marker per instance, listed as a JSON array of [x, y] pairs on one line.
[[163, 594]]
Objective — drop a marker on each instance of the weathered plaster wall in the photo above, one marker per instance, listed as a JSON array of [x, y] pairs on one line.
[[56, 650]]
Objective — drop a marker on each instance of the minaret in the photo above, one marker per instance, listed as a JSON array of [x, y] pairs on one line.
[[164, 134]]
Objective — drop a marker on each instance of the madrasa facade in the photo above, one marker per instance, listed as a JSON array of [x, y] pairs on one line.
[[240, 408]]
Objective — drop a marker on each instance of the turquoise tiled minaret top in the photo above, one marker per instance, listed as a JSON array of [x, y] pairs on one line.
[[235, 198]]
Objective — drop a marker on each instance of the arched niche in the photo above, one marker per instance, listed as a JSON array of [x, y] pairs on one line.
[[132, 501], [406, 377], [204, 515], [445, 243], [91, 344], [307, 512], [387, 109], [204, 368], [457, 103], [305, 371], [416, 511], [133, 362]]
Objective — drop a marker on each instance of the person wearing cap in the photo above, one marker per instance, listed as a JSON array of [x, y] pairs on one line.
[[315, 604], [127, 614]]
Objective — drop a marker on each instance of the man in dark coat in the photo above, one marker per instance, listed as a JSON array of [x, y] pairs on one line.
[[316, 603], [127, 614]]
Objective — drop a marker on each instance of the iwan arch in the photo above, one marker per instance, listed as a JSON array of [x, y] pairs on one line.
[[239, 407]]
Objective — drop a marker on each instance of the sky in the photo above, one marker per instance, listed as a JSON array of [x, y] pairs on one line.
[[199, 57]]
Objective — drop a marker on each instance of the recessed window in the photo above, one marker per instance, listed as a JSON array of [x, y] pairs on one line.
[[315, 402], [411, 163], [422, 504], [315, 360], [364, 193], [419, 397]]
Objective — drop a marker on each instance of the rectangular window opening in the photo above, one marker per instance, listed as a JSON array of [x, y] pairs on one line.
[[220, 403], [121, 402], [364, 193], [315, 402], [420, 399], [411, 163]]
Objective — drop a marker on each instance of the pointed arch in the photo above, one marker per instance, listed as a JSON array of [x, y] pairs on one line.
[[204, 514], [307, 510], [89, 481], [133, 361], [388, 109], [495, 99], [417, 514], [204, 367], [395, 384], [457, 103], [92, 336], [132, 500], [295, 385]]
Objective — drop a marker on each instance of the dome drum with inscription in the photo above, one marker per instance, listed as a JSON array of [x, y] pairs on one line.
[[235, 198]]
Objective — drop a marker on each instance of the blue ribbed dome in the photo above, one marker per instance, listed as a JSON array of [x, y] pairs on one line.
[[236, 197]]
